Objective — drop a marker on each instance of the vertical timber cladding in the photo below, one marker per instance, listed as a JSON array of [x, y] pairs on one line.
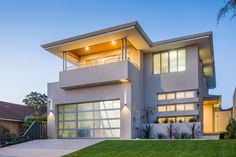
[[99, 119]]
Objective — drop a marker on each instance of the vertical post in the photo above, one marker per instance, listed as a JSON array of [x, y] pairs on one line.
[[124, 49], [64, 61]]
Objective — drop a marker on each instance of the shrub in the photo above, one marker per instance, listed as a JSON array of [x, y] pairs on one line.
[[194, 119], [185, 135], [172, 131], [29, 120], [195, 130], [147, 131], [157, 121], [161, 136], [147, 112], [231, 129], [171, 121], [4, 132], [165, 121], [180, 121]]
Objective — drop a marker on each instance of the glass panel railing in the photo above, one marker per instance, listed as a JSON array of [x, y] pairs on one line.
[[95, 63]]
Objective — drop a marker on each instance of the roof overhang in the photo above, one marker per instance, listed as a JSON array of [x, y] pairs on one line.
[[206, 51], [138, 38], [132, 31], [12, 120]]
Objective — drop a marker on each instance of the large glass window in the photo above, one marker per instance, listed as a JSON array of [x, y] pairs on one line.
[[189, 94], [170, 108], [181, 60], [176, 95], [170, 96], [180, 95], [176, 107], [94, 119], [175, 119], [164, 62], [157, 65], [189, 107], [161, 96], [69, 108], [180, 107], [171, 61], [161, 108]]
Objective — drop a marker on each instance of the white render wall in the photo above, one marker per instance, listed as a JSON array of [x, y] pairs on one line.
[[129, 93], [180, 127], [141, 90], [168, 82], [94, 75], [119, 91]]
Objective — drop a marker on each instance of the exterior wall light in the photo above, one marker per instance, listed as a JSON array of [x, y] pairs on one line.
[[50, 105]]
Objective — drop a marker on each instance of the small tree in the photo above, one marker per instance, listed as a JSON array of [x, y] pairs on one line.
[[147, 127], [230, 6], [5, 133], [30, 119], [36, 101], [231, 129]]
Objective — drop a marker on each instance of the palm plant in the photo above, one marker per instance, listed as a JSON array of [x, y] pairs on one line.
[[230, 6]]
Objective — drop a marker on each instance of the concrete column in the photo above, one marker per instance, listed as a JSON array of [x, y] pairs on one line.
[[124, 49]]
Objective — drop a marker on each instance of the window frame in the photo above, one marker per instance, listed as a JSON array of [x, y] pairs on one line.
[[75, 112], [168, 52]]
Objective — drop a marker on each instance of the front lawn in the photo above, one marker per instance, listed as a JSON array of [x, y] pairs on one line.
[[159, 148]]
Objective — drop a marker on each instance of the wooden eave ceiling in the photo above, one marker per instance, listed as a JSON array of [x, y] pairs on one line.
[[107, 46]]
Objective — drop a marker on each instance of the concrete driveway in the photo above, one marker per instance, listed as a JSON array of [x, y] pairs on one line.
[[46, 148]]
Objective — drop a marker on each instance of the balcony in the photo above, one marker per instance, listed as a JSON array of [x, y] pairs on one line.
[[100, 64], [96, 62], [96, 74]]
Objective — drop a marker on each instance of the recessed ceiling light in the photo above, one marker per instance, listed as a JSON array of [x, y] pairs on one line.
[[86, 48], [113, 42]]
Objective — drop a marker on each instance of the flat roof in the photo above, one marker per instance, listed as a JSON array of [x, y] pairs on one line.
[[139, 39]]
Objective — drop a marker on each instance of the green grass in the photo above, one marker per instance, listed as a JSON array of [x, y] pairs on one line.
[[159, 148]]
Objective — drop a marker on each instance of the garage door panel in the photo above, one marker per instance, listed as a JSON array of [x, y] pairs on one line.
[[91, 120]]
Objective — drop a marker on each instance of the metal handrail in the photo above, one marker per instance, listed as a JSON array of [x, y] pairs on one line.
[[106, 61], [28, 129]]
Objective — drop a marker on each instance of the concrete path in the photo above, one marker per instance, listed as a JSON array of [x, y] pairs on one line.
[[46, 148]]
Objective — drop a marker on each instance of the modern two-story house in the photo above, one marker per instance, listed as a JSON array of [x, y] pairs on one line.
[[108, 76]]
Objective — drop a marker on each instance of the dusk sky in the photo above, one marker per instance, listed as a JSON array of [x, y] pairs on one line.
[[27, 24]]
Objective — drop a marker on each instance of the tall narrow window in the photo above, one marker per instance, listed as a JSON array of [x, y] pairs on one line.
[[181, 60], [164, 62], [157, 64], [173, 61]]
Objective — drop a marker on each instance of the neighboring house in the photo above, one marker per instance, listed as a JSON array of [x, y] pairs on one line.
[[110, 75], [12, 116]]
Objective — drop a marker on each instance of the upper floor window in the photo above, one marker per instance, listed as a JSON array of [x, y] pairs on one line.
[[176, 107], [171, 61], [176, 95]]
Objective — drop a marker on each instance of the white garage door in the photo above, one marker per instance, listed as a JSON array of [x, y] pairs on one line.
[[99, 119]]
